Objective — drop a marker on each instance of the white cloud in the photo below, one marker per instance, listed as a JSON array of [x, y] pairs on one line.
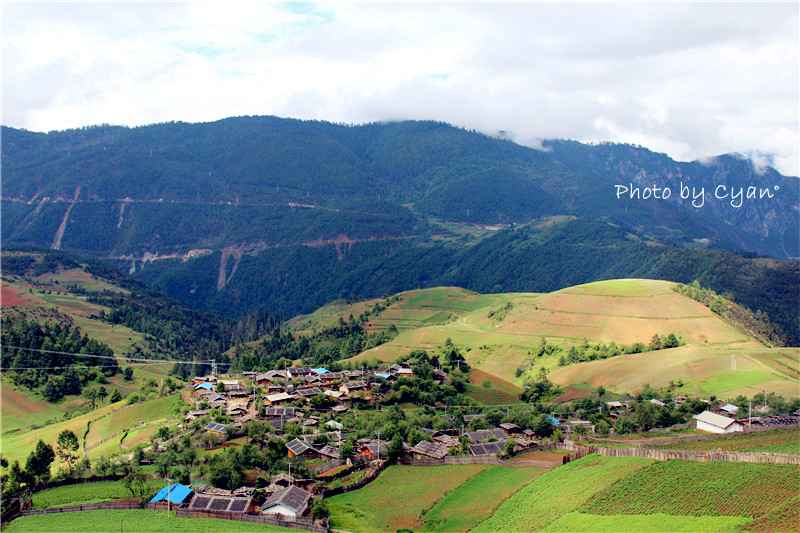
[[689, 79]]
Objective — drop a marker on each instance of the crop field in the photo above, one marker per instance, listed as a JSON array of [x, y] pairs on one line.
[[22, 408], [375, 507], [476, 499], [655, 523], [783, 440], [85, 493], [559, 491], [716, 488], [131, 521], [784, 519], [130, 417]]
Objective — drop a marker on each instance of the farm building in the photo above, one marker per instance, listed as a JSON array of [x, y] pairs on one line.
[[511, 429], [206, 386], [289, 502], [730, 409], [429, 450], [300, 448], [274, 399], [300, 372], [215, 428], [205, 501], [372, 449], [320, 370], [714, 423], [307, 393], [191, 415], [329, 452], [176, 494], [353, 386], [279, 411], [485, 434], [488, 448]]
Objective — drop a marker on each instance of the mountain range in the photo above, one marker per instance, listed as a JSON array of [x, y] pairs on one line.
[[244, 212]]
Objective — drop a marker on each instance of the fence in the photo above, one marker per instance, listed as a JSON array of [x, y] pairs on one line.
[[355, 486], [87, 507], [301, 522], [686, 455]]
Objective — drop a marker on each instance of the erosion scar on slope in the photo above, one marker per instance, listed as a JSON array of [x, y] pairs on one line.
[[223, 277], [60, 231]]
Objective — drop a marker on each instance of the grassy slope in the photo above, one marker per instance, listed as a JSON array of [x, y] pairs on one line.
[[85, 493], [17, 446], [782, 440], [559, 491], [397, 498], [623, 311], [653, 523]]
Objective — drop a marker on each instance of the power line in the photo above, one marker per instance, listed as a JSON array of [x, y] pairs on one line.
[[134, 359]]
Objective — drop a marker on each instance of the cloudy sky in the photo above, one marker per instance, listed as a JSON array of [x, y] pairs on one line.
[[689, 79]]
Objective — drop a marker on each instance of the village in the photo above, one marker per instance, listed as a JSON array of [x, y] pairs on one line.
[[311, 412]]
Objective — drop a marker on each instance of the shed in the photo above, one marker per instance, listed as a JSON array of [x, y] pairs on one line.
[[291, 502], [176, 494], [206, 386], [488, 448], [281, 397], [425, 449], [298, 447], [714, 423], [216, 428]]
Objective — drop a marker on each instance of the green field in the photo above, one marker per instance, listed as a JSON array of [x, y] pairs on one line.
[[476, 499], [85, 493], [398, 498], [559, 491], [130, 417], [130, 521], [716, 488], [653, 523]]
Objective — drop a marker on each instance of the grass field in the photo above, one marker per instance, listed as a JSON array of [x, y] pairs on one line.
[[783, 440], [476, 499], [716, 488], [559, 491], [652, 523], [398, 498], [784, 519], [85, 493], [22, 408], [130, 521]]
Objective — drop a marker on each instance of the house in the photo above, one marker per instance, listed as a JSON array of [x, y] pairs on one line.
[[470, 418], [447, 440], [333, 424], [313, 379], [299, 448], [353, 386], [176, 494], [230, 384], [570, 426], [191, 415], [267, 377], [329, 452], [429, 450], [320, 370], [307, 394], [215, 428], [614, 405], [488, 448], [281, 397], [510, 429], [372, 449], [730, 409], [485, 434], [404, 373], [714, 423], [220, 501], [333, 377], [299, 372], [439, 375], [335, 394], [205, 386], [279, 411], [290, 502]]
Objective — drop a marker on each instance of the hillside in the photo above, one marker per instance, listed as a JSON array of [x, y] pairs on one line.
[[240, 213], [502, 335]]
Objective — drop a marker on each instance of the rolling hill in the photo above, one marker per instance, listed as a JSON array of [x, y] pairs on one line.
[[499, 333]]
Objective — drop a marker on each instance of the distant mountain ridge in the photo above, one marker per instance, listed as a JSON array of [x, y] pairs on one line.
[[247, 211]]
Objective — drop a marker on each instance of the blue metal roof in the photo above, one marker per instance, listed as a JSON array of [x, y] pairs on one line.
[[320, 370], [177, 493], [382, 375], [206, 386], [552, 420]]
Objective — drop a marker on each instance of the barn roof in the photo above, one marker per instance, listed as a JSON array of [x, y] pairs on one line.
[[488, 448], [714, 419], [215, 426], [430, 449], [298, 447], [279, 411], [177, 493], [292, 497]]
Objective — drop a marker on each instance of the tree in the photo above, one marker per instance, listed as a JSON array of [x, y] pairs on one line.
[[510, 445], [127, 374], [91, 397], [396, 448], [115, 396], [38, 464], [68, 447], [136, 482]]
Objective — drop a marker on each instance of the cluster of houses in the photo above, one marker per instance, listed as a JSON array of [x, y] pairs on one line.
[[285, 499]]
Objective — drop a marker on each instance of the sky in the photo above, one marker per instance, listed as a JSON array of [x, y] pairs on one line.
[[692, 80]]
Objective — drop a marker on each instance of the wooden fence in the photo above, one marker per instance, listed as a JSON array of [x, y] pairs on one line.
[[301, 522], [686, 455], [86, 507]]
